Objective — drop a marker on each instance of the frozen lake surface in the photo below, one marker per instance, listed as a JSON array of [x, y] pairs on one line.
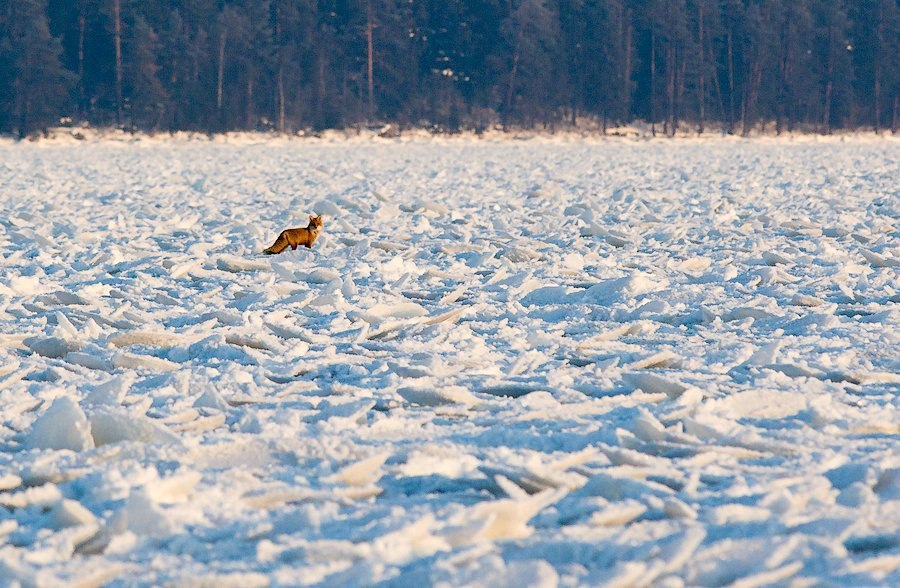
[[504, 363]]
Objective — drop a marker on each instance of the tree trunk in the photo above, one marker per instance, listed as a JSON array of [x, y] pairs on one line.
[[701, 99], [281, 116], [370, 59], [783, 68], [877, 98], [512, 82], [895, 114], [249, 122], [670, 87], [626, 90], [829, 85], [880, 37], [730, 83], [748, 104], [117, 17], [223, 39], [652, 82], [320, 88], [575, 83], [23, 101], [717, 85], [279, 81], [679, 95], [25, 118], [82, 25], [744, 113], [780, 107]]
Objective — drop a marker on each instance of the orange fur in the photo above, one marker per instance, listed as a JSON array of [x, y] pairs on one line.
[[294, 237]]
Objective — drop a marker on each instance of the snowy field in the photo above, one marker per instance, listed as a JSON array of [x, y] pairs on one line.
[[504, 363]]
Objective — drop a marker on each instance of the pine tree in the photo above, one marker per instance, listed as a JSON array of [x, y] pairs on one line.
[[7, 63], [293, 26], [39, 85], [216, 65], [531, 32], [833, 58], [875, 48], [396, 58], [245, 60], [146, 98], [793, 81]]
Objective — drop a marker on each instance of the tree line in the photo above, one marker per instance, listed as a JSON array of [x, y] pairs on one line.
[[297, 65]]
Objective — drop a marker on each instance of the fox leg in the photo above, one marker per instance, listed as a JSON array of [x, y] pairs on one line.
[[280, 245]]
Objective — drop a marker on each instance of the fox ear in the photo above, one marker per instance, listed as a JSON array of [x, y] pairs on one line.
[[312, 217]]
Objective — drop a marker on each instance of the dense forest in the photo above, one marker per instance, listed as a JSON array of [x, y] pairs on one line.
[[306, 65]]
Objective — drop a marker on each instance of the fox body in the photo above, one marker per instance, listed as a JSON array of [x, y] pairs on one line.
[[294, 237]]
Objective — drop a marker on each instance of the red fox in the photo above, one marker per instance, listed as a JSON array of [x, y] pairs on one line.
[[293, 237]]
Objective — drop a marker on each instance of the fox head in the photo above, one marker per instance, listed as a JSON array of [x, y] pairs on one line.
[[315, 222]]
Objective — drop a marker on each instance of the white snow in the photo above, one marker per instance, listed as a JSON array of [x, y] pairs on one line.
[[548, 362], [62, 426]]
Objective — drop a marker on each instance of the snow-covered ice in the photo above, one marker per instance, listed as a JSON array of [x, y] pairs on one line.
[[541, 362]]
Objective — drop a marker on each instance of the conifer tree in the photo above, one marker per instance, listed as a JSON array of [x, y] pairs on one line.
[[218, 65], [146, 96], [38, 84]]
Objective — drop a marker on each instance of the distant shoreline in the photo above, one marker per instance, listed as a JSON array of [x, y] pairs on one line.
[[389, 134]]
